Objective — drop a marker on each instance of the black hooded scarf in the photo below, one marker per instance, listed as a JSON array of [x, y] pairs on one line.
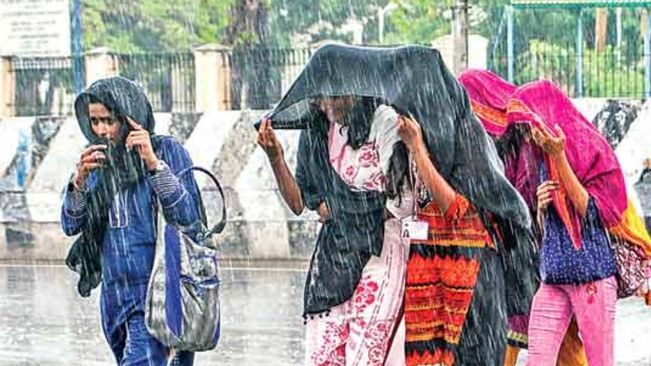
[[123, 169], [414, 81]]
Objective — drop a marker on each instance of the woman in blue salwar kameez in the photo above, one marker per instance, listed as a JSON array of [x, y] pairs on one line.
[[132, 173]]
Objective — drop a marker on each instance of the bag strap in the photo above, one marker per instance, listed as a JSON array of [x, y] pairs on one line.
[[219, 227]]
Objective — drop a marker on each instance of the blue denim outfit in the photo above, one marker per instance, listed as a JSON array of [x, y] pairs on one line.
[[128, 250]]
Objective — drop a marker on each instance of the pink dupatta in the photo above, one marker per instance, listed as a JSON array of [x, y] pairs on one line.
[[591, 158]]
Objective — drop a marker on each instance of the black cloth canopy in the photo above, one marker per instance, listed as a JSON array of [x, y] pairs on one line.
[[414, 81]]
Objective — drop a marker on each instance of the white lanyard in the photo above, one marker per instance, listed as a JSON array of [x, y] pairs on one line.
[[413, 228]]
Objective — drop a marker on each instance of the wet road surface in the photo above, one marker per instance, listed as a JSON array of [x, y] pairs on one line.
[[44, 322]]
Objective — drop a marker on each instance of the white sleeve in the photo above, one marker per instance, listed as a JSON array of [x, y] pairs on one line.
[[385, 132]]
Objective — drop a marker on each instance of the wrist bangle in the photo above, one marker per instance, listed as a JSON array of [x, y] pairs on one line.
[[160, 166]]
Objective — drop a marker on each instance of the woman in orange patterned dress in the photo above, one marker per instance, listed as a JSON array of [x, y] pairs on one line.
[[458, 164], [445, 324]]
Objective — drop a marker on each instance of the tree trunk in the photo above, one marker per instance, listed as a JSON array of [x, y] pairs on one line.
[[601, 29], [460, 36], [248, 23], [247, 35]]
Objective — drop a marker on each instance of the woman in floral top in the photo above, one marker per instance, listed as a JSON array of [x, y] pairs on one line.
[[357, 331]]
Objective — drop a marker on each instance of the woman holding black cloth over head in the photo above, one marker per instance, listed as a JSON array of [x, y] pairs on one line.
[[454, 182]]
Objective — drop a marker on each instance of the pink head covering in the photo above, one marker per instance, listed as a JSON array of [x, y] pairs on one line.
[[589, 154], [489, 95]]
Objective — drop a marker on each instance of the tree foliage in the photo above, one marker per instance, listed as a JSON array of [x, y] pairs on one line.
[[153, 25], [176, 25]]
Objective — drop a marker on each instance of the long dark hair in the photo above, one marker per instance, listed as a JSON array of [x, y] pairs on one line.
[[399, 170], [509, 144]]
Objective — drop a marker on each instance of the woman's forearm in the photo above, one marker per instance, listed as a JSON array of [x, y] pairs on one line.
[[443, 193], [575, 190], [288, 187]]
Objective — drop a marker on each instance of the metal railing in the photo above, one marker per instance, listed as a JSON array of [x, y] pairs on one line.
[[168, 79], [46, 86], [260, 76], [608, 73], [43, 86]]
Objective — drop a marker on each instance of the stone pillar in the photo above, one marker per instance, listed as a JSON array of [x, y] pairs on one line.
[[460, 36], [212, 78], [7, 88], [478, 52], [477, 55], [100, 63]]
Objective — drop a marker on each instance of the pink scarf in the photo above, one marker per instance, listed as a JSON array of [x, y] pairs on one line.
[[590, 156], [489, 96]]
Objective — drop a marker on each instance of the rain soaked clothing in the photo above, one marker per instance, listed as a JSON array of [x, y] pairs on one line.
[[591, 158], [123, 98], [122, 247], [347, 241], [359, 331], [577, 261], [414, 81], [593, 305], [489, 96], [454, 301]]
